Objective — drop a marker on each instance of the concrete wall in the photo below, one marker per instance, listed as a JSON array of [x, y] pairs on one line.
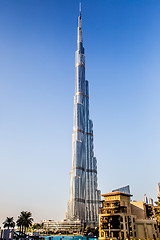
[[138, 208], [146, 229]]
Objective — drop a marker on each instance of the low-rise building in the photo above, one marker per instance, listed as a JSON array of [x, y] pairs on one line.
[[62, 226], [119, 217]]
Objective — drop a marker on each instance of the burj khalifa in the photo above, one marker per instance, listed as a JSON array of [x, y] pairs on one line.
[[84, 195]]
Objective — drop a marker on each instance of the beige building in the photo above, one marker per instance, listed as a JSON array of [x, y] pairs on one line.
[[138, 208], [65, 225], [146, 227], [119, 217]]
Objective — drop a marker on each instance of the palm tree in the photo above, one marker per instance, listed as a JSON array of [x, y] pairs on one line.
[[37, 226], [9, 223], [24, 220], [20, 223]]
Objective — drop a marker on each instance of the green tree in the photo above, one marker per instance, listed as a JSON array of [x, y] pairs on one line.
[[37, 226], [157, 211], [9, 223], [96, 231], [24, 220], [20, 223]]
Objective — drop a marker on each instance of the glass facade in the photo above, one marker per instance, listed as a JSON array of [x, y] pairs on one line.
[[84, 195], [125, 189]]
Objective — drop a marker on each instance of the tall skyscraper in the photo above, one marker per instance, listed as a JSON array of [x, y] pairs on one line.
[[158, 189], [84, 195], [145, 199], [150, 201], [125, 189]]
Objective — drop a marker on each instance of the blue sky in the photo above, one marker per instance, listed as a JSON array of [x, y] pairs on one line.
[[37, 46]]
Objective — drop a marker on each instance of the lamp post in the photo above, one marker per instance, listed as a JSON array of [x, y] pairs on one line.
[[109, 228]]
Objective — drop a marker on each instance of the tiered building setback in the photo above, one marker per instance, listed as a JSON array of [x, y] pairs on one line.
[[84, 195]]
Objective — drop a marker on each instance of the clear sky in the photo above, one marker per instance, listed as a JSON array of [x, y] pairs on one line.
[[37, 46]]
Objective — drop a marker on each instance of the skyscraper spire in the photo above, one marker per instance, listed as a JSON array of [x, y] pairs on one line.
[[79, 32], [80, 9], [84, 196]]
